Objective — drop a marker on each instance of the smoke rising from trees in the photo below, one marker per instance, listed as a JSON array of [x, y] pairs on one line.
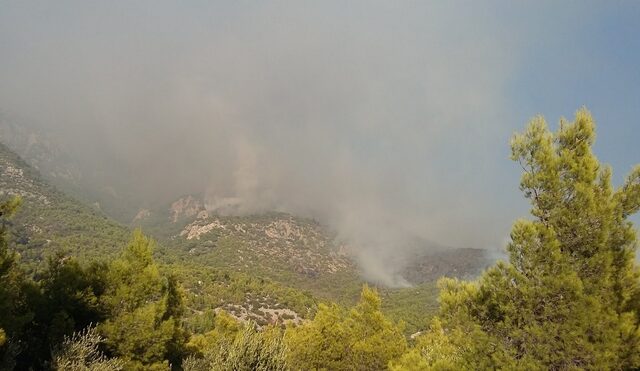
[[385, 121]]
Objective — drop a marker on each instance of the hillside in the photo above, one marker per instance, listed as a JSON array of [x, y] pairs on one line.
[[293, 251], [288, 249], [49, 220], [49, 158], [300, 253], [312, 257], [273, 267]]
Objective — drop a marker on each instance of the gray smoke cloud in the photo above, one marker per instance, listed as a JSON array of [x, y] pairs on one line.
[[387, 121]]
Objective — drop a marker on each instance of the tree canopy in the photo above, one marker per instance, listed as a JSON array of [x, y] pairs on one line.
[[568, 298], [337, 339]]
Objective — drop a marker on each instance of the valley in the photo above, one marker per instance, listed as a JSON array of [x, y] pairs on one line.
[[272, 268]]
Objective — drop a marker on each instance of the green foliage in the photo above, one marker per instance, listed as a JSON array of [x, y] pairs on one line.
[[208, 288], [359, 339], [65, 300], [49, 220], [175, 310], [236, 254], [80, 352], [224, 329], [287, 250], [568, 298], [11, 277], [69, 288], [15, 312], [413, 305], [244, 349], [143, 308], [140, 308]]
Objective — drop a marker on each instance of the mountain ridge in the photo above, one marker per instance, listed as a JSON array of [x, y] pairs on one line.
[[272, 267]]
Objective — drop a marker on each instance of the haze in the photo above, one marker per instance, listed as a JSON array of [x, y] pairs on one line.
[[385, 120]]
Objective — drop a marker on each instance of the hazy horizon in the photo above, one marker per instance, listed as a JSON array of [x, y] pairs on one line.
[[386, 121]]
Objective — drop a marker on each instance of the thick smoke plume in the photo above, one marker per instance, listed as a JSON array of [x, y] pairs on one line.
[[387, 122]]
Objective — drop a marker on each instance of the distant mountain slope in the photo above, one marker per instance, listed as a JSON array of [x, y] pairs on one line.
[[289, 249], [41, 153], [293, 251], [273, 267], [57, 167], [48, 219], [298, 253], [464, 263], [179, 221]]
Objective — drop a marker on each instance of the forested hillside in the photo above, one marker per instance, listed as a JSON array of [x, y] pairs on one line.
[[276, 256], [51, 225], [49, 220], [46, 155], [275, 292], [271, 268]]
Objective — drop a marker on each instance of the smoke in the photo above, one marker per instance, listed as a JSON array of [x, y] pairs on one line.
[[386, 121]]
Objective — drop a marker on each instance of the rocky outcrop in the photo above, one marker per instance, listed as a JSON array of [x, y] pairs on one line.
[[185, 207], [302, 245], [14, 182], [141, 215], [195, 230]]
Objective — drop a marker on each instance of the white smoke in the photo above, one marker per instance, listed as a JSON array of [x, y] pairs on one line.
[[385, 120]]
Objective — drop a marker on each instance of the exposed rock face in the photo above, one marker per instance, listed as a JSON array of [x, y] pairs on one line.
[[274, 242], [299, 244], [307, 249], [185, 207], [284, 229], [39, 151], [14, 182], [195, 230], [141, 215]]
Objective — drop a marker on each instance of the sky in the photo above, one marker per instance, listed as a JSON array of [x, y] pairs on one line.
[[384, 120]]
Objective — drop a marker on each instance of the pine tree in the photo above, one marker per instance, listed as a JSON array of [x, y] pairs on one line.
[[9, 273], [81, 352], [64, 300], [569, 296], [143, 307], [233, 346], [15, 312], [359, 339]]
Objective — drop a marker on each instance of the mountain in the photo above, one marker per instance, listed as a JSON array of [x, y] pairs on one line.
[[49, 219], [182, 220], [272, 268], [42, 153], [285, 247], [277, 246], [303, 254], [59, 168]]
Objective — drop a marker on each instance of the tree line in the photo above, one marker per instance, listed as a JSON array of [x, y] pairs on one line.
[[567, 298]]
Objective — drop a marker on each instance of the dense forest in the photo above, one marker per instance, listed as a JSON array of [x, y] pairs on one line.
[[567, 298]]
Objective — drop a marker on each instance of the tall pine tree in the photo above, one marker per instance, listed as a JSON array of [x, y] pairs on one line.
[[569, 297], [144, 308]]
